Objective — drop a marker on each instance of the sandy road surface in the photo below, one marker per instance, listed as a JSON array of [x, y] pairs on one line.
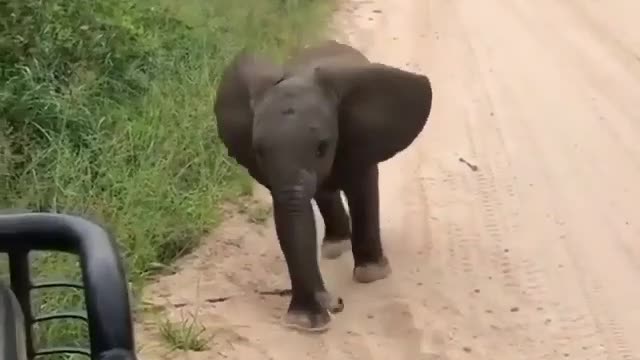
[[536, 255]]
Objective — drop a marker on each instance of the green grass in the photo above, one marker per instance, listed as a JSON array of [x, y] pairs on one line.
[[106, 112], [187, 334]]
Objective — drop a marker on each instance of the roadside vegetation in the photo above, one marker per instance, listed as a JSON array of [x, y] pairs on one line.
[[106, 112]]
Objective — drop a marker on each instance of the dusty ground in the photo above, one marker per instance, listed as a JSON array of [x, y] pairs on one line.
[[536, 255]]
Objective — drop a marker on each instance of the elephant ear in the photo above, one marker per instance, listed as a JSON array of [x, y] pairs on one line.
[[381, 109], [244, 82]]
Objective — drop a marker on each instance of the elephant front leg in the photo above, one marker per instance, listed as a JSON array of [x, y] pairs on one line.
[[364, 205], [310, 301], [337, 233]]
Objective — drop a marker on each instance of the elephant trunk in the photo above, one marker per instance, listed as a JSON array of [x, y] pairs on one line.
[[296, 229]]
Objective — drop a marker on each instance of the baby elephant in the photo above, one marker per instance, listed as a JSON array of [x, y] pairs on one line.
[[308, 129]]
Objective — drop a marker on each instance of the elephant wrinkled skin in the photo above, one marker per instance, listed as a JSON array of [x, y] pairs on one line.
[[308, 129]]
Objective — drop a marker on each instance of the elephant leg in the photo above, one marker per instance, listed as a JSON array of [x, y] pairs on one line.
[[310, 302], [364, 205], [337, 234]]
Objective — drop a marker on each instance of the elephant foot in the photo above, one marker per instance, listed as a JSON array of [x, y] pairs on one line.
[[332, 249], [303, 318], [307, 322], [371, 272]]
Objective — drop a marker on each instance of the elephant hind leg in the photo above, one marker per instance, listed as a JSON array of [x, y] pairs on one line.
[[371, 264], [337, 237]]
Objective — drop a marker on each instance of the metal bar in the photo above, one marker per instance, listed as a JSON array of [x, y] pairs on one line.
[[62, 315], [63, 350], [55, 284], [105, 290], [21, 286]]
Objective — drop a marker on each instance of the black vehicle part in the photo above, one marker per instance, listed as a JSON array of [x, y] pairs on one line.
[[12, 337], [104, 283]]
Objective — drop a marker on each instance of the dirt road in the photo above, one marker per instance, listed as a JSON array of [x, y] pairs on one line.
[[534, 255]]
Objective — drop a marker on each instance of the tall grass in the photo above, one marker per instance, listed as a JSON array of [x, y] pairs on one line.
[[106, 112]]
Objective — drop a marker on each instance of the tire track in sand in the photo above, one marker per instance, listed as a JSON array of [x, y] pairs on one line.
[[534, 274], [596, 293], [496, 265], [519, 278], [570, 252]]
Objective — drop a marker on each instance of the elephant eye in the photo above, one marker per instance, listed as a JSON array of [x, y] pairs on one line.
[[322, 148]]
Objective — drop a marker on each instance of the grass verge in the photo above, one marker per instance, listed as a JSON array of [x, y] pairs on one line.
[[106, 112]]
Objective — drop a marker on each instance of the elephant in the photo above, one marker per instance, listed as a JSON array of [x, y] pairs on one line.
[[308, 129]]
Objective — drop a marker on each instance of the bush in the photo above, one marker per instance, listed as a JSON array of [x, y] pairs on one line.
[[106, 111]]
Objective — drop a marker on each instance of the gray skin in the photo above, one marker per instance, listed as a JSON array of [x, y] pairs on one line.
[[308, 129]]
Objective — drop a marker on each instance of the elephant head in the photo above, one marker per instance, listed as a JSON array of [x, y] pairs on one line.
[[290, 125], [308, 124]]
